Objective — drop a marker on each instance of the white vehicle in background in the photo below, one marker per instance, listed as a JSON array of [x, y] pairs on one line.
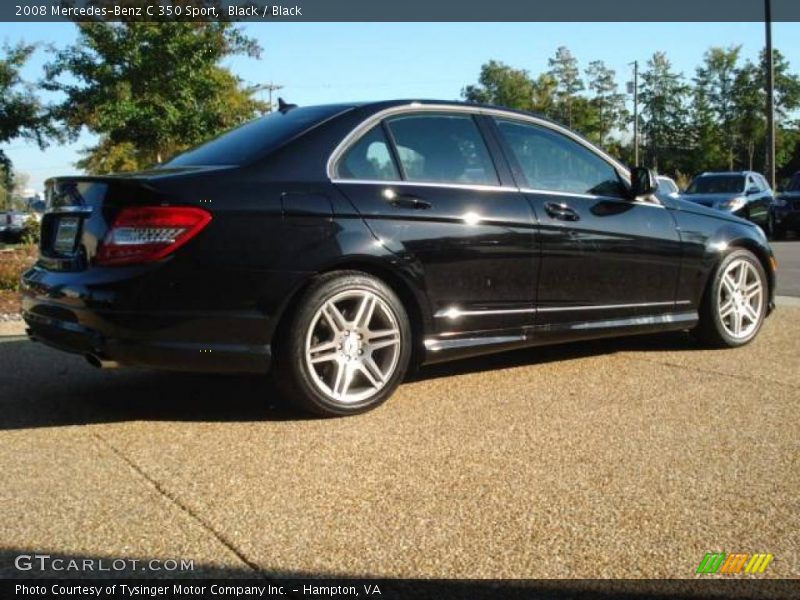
[[668, 186], [12, 222]]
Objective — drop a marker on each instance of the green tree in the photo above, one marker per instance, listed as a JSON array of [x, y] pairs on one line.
[[501, 85], [716, 78], [21, 112], [663, 97], [565, 72], [749, 126], [608, 103], [150, 89]]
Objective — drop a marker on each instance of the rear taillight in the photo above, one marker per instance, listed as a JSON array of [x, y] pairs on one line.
[[145, 234]]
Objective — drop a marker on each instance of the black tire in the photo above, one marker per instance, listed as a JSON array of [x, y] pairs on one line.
[[711, 329], [778, 233], [293, 373]]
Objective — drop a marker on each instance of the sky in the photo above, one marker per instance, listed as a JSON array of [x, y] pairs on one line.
[[334, 62]]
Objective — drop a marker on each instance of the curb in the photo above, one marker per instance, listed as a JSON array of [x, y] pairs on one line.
[[12, 328], [787, 301]]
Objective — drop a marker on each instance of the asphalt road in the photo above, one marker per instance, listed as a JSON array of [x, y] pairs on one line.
[[788, 255], [629, 458]]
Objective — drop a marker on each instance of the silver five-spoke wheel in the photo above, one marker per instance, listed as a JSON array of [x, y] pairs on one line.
[[740, 299], [352, 346]]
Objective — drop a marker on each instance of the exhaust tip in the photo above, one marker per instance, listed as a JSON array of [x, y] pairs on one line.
[[101, 363]]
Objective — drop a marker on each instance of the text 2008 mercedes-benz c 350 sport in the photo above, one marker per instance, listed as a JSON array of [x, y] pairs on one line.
[[341, 245]]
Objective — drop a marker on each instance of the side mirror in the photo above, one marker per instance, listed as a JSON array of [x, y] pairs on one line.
[[643, 182]]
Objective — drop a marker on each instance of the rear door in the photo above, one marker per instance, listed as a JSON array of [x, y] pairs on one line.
[[433, 192], [603, 256]]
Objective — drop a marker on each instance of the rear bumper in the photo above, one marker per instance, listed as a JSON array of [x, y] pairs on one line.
[[75, 338], [136, 317]]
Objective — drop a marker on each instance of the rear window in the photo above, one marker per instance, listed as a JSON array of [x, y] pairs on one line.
[[717, 184], [251, 140]]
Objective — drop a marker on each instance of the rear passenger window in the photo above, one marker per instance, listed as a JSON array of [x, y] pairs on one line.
[[440, 148], [369, 158]]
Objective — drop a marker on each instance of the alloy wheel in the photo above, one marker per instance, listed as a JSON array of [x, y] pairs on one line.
[[352, 346], [740, 299]]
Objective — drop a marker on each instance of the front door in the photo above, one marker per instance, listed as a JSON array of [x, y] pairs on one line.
[[604, 256]]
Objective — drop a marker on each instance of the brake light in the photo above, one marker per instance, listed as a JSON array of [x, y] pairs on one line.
[[149, 233]]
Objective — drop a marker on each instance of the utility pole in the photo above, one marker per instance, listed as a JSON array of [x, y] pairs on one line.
[[271, 87], [634, 89], [770, 96]]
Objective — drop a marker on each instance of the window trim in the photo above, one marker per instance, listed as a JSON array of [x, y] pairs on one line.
[[385, 123], [414, 107], [591, 149]]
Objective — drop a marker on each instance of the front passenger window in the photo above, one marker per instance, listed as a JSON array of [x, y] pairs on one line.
[[551, 161]]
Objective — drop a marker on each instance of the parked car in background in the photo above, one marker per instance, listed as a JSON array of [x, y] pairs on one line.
[[786, 209], [667, 185], [342, 245], [745, 194], [13, 225]]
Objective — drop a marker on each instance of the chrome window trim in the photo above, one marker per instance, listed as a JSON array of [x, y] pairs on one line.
[[465, 186], [526, 190], [414, 107], [455, 313]]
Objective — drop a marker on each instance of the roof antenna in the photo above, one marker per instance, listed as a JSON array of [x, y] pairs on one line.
[[284, 107]]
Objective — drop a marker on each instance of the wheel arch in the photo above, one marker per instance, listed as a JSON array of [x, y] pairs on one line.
[[413, 299]]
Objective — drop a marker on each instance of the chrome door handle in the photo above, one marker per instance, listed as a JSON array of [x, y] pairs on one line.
[[409, 201], [560, 210]]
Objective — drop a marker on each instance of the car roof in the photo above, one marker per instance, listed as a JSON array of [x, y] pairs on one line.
[[714, 173]]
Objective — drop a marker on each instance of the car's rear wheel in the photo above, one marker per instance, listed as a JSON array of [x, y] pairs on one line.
[[347, 347], [735, 303]]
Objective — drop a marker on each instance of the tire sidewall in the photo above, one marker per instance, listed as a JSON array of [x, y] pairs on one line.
[[727, 338], [302, 385]]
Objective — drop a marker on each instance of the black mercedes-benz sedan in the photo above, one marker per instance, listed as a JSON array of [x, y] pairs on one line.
[[341, 245]]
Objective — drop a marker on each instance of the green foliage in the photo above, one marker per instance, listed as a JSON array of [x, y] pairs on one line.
[[716, 121], [149, 89], [607, 103], [21, 113], [567, 76], [501, 85], [664, 97], [31, 232]]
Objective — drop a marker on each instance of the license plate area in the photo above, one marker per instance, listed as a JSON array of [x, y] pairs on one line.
[[66, 236]]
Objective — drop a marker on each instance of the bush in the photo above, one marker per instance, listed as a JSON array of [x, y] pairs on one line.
[[13, 263], [31, 232]]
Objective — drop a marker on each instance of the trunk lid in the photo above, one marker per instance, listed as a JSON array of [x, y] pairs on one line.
[[78, 213]]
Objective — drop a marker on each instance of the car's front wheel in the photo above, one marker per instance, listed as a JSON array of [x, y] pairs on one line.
[[347, 346], [735, 303]]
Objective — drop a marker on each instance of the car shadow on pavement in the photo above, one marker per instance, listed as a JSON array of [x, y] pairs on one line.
[[40, 387], [38, 567]]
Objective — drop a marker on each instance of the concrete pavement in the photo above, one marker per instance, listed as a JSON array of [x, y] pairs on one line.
[[626, 458]]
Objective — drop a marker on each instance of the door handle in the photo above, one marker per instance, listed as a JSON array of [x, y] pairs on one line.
[[409, 201], [559, 210]]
